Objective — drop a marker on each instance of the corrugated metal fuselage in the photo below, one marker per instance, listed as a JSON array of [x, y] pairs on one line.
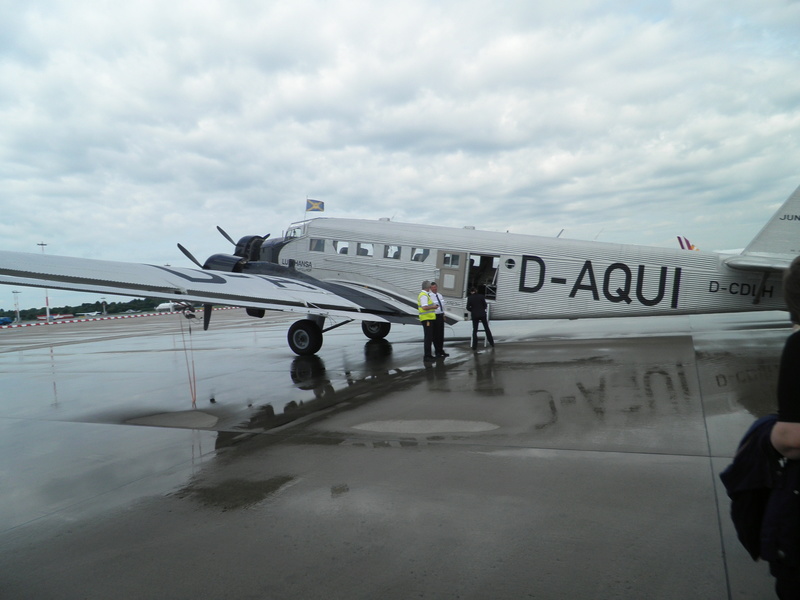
[[526, 276]]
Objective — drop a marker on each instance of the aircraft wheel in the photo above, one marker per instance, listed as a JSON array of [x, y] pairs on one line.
[[375, 330], [305, 337]]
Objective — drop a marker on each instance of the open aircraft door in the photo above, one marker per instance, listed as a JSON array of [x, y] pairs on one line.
[[452, 267]]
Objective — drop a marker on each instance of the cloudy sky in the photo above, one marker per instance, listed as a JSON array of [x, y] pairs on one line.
[[129, 127]]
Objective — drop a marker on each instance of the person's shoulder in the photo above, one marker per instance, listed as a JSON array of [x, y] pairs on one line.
[[793, 342], [791, 348]]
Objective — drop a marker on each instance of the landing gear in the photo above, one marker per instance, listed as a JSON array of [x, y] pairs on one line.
[[375, 330], [305, 337]]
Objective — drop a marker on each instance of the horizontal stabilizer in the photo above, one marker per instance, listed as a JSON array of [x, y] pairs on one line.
[[757, 263]]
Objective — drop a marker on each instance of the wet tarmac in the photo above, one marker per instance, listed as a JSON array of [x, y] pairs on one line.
[[578, 459]]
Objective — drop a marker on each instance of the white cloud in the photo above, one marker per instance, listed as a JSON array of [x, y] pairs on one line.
[[130, 127]]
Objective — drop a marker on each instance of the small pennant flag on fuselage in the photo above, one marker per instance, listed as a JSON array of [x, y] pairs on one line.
[[314, 205]]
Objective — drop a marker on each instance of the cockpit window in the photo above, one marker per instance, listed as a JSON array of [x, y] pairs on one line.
[[293, 232]]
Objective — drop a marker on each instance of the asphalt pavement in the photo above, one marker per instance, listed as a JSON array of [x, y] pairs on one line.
[[147, 458]]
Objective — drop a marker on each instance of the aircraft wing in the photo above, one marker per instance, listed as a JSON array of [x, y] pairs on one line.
[[279, 288], [404, 306]]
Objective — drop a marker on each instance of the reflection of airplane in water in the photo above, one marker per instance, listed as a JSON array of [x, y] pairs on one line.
[[365, 381], [601, 387], [349, 269]]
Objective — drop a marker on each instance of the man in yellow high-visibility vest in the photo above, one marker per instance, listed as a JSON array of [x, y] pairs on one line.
[[427, 317]]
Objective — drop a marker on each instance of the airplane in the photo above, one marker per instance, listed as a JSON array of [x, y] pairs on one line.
[[54, 317], [346, 270], [169, 306]]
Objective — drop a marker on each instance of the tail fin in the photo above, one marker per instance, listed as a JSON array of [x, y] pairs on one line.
[[686, 244], [780, 237]]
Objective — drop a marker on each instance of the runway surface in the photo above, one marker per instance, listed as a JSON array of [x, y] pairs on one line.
[[578, 459]]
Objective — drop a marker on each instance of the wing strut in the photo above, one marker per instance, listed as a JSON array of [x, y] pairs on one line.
[[337, 325]]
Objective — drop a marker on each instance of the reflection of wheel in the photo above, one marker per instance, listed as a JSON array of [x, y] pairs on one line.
[[375, 330], [307, 371], [377, 350], [305, 337]]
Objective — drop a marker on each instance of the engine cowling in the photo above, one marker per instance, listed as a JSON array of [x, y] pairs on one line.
[[249, 247], [225, 263]]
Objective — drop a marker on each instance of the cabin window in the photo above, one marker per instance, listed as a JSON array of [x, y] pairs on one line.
[[365, 249], [316, 245], [451, 260], [391, 252], [510, 263], [340, 247], [419, 254]]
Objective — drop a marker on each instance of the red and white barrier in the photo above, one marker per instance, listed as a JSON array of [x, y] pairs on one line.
[[104, 318]]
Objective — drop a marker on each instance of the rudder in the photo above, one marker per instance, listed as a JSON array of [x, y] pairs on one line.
[[780, 237]]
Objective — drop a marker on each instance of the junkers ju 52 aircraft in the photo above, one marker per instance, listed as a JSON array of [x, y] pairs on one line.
[[348, 269]]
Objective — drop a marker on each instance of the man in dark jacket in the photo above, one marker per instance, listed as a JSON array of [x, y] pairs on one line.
[[764, 480], [764, 489], [476, 305]]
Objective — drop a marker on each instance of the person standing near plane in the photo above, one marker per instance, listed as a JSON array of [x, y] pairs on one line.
[[477, 307], [427, 317], [438, 329], [785, 437]]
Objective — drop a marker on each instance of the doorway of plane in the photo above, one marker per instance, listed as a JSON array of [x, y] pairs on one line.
[[483, 274]]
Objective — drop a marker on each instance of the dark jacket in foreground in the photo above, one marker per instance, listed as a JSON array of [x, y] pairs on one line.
[[764, 489]]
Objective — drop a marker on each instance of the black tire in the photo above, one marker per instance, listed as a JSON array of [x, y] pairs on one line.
[[305, 337], [375, 330]]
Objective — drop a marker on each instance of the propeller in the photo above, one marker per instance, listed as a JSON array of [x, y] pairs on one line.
[[229, 238], [206, 307], [206, 316], [225, 235], [189, 256], [245, 248]]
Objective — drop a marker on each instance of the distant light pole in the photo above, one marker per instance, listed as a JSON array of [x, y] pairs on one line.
[[46, 295], [16, 303], [103, 300]]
